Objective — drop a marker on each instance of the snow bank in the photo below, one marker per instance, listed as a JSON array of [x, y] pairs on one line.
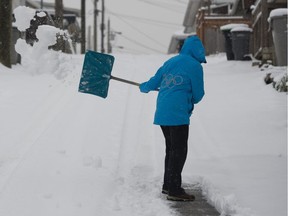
[[225, 204], [38, 59]]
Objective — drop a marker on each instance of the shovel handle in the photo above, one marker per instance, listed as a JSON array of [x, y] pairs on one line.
[[125, 81]]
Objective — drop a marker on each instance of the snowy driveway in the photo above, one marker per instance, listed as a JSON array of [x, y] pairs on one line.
[[67, 153]]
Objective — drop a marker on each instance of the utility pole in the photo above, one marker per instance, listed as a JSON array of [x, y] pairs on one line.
[[42, 4], [95, 25], [83, 27], [6, 32], [89, 38], [59, 13], [102, 28], [109, 48], [209, 7]]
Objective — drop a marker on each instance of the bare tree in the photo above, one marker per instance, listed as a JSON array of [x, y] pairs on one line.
[[5, 32]]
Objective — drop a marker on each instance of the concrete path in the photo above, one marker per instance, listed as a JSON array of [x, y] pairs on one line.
[[199, 207]]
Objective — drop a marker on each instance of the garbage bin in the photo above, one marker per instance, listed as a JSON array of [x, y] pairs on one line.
[[241, 42], [228, 45], [226, 30], [278, 24]]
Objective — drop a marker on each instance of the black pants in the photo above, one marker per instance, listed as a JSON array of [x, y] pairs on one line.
[[176, 138]]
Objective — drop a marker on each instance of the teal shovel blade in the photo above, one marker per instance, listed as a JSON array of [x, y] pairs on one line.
[[96, 73]]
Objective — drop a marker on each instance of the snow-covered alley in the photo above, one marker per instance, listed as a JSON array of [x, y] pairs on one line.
[[68, 153]]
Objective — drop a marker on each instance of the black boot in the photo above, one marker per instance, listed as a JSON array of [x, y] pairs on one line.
[[180, 196]]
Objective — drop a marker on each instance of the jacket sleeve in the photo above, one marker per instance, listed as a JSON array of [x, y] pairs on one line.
[[153, 83], [197, 85]]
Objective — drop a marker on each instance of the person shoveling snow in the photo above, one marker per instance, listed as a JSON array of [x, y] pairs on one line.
[[181, 85]]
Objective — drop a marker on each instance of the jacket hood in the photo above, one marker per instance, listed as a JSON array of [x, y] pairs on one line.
[[194, 47]]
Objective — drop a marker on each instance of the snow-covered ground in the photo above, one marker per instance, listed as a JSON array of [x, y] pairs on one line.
[[67, 153]]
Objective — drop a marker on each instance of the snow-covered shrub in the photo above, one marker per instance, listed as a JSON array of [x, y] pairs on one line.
[[277, 76], [281, 83]]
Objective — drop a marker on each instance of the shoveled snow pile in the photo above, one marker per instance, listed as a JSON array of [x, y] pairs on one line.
[[31, 56]]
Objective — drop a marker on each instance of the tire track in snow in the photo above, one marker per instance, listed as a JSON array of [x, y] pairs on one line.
[[137, 128], [138, 180], [125, 150]]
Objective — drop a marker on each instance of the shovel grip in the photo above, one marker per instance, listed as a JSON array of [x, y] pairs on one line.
[[125, 81]]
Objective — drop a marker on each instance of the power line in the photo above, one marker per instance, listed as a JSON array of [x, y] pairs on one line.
[[128, 50], [143, 19], [183, 2], [141, 32], [165, 5], [142, 45]]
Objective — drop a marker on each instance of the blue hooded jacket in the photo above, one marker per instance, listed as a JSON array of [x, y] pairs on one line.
[[180, 83]]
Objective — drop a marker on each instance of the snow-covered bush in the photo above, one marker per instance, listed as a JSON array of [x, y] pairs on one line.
[[277, 76], [281, 83]]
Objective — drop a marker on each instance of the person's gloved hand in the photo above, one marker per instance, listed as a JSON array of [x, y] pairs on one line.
[[143, 88]]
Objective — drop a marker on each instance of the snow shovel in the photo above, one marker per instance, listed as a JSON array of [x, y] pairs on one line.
[[96, 74]]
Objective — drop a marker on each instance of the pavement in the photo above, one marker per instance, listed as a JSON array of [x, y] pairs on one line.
[[199, 207]]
